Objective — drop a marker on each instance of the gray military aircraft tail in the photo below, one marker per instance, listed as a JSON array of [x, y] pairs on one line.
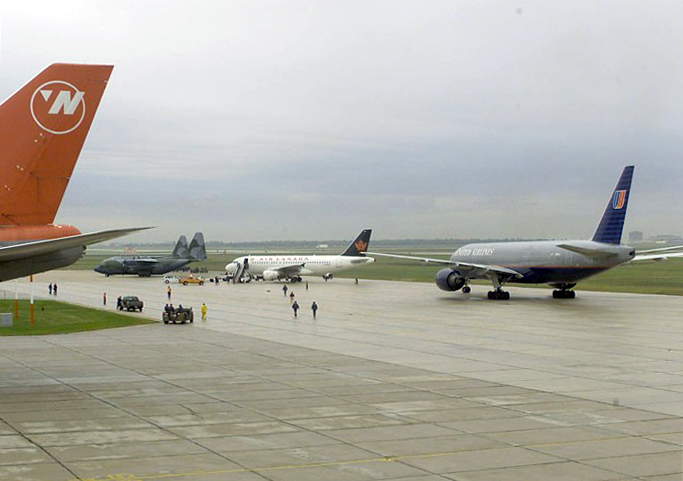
[[180, 250], [561, 264], [182, 255]]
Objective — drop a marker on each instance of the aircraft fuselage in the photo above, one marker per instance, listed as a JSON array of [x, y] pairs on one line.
[[313, 265], [143, 267], [544, 261]]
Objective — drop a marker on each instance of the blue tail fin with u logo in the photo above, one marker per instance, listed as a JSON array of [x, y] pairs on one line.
[[612, 223]]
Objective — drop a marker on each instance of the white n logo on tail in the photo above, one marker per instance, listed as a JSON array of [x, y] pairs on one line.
[[63, 101], [52, 116]]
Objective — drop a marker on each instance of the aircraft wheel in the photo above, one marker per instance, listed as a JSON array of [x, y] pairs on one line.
[[185, 283], [165, 322], [499, 295], [564, 294]]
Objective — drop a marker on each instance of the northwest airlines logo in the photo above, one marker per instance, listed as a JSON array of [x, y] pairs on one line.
[[58, 107], [619, 199]]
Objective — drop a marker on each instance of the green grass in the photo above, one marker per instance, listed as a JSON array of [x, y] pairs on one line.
[[53, 317], [664, 277]]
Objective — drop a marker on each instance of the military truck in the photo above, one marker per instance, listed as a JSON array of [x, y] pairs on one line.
[[131, 303]]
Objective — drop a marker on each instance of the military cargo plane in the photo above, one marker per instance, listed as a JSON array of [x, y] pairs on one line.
[[147, 266], [43, 127], [561, 264]]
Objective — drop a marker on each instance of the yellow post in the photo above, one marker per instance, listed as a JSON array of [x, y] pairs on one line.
[[32, 318]]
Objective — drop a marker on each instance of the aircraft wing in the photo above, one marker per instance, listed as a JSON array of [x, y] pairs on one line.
[[661, 249], [29, 249], [144, 261], [656, 257], [476, 269], [288, 271]]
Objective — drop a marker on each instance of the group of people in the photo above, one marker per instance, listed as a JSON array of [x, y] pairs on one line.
[[170, 310], [295, 305], [52, 288]]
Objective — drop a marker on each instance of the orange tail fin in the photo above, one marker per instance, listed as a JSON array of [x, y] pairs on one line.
[[42, 130]]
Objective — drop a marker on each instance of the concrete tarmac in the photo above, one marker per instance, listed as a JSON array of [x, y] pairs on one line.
[[392, 381]]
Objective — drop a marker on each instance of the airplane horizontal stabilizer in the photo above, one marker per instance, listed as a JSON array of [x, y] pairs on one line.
[[29, 249], [598, 253]]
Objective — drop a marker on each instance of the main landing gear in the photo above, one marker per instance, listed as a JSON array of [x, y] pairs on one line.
[[564, 291], [499, 295], [564, 294]]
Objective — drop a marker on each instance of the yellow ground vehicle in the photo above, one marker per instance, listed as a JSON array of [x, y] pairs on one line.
[[192, 280]]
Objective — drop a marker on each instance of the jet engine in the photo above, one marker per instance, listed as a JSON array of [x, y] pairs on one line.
[[270, 275], [449, 280]]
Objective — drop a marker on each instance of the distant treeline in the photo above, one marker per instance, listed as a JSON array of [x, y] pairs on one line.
[[313, 244]]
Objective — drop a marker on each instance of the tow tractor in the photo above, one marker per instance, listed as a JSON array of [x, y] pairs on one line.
[[178, 316]]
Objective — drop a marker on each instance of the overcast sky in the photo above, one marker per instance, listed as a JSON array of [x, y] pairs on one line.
[[265, 120]]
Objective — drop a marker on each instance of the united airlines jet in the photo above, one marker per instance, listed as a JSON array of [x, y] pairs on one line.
[[561, 264]]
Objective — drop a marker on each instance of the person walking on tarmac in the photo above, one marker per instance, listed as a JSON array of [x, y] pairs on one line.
[[284, 290], [168, 292], [314, 308], [204, 311], [295, 308], [291, 298], [104, 298]]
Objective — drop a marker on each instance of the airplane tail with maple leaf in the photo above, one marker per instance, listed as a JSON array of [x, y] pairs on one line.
[[359, 245]]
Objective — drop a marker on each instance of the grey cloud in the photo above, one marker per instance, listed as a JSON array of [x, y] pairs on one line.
[[420, 119]]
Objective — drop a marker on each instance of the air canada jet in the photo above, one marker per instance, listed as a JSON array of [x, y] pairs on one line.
[[42, 130], [560, 264], [275, 267], [147, 266]]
